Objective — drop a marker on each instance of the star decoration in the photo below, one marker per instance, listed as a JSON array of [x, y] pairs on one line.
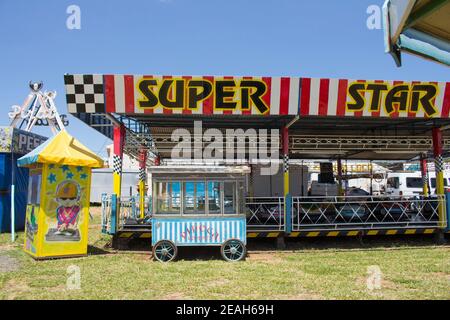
[[83, 176], [79, 168], [69, 175], [65, 168], [51, 178]]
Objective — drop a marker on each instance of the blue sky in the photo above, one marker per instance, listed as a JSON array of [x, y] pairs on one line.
[[326, 38]]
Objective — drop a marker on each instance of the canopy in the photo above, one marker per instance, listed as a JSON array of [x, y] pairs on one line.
[[62, 149], [420, 27]]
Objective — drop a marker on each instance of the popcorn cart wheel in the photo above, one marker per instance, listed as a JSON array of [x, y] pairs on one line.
[[233, 250], [165, 251]]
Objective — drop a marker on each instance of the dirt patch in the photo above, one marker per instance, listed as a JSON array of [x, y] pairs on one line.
[[8, 264], [264, 257], [218, 283], [303, 296], [14, 289], [440, 275], [175, 296], [6, 247]]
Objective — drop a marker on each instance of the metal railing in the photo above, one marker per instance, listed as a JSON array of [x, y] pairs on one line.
[[130, 214], [307, 213], [265, 214], [365, 212], [107, 224]]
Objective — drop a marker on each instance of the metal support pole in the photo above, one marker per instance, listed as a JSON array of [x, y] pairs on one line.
[[119, 141], [339, 176], [142, 180], [287, 196], [13, 198], [114, 214], [439, 169], [424, 171], [13, 214]]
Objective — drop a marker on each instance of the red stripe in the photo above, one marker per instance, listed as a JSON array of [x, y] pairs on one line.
[[376, 114], [434, 100], [228, 112], [412, 114], [249, 111], [186, 110], [266, 97], [396, 106], [168, 110], [110, 100], [208, 103], [360, 113], [304, 97], [147, 110], [446, 102], [324, 90], [342, 97], [129, 93], [284, 95]]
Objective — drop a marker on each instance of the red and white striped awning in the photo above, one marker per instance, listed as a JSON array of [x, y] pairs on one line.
[[256, 96]]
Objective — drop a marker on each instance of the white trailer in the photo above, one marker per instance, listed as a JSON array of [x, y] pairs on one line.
[[102, 182], [272, 185]]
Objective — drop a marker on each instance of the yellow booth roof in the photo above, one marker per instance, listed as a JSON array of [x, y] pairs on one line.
[[62, 149]]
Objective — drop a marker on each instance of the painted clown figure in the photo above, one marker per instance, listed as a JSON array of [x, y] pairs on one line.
[[68, 199]]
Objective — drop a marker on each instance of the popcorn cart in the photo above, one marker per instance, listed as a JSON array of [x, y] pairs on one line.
[[200, 206]]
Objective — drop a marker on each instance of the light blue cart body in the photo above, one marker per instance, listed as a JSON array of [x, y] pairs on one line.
[[199, 231]]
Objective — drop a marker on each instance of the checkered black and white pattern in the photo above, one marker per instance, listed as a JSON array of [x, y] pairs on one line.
[[439, 164], [142, 174], [85, 93], [286, 163], [425, 179], [117, 164]]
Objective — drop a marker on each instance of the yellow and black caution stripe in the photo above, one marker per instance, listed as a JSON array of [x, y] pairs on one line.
[[264, 234], [354, 233], [134, 234], [307, 234]]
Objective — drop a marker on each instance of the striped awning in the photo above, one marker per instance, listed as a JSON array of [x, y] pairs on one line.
[[255, 96]]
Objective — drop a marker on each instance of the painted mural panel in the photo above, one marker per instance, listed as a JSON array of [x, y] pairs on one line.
[[65, 203], [58, 211], [33, 209]]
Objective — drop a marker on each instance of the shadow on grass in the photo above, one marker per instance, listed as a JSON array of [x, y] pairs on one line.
[[344, 243], [94, 251], [293, 245]]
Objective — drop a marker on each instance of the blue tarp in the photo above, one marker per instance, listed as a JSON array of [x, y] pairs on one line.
[[9, 173]]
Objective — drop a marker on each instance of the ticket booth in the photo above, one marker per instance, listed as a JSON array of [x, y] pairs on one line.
[[57, 212]]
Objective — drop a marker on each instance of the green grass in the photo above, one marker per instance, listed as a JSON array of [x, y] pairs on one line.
[[308, 270]]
